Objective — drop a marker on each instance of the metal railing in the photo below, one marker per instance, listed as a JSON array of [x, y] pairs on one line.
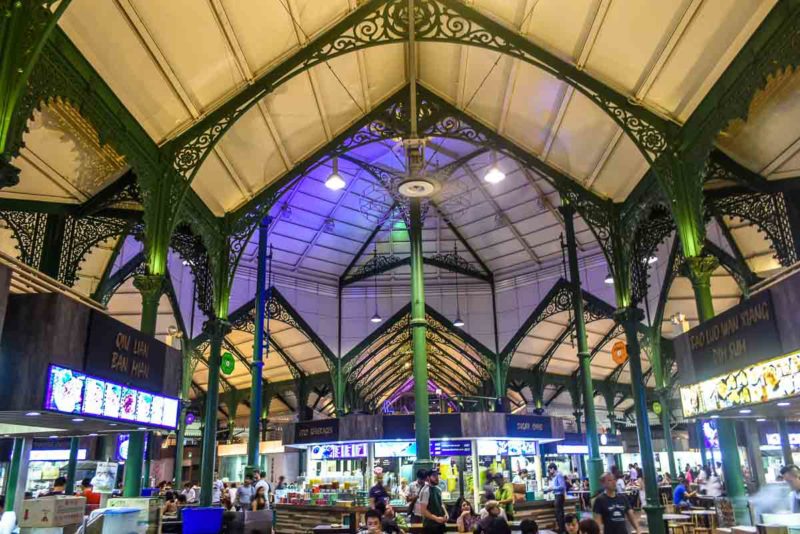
[[25, 279]]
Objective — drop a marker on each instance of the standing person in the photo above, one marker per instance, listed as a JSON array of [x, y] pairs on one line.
[[87, 490], [431, 508], [559, 488], [58, 487], [791, 475], [588, 526], [244, 494], [488, 487], [611, 509], [713, 487], [412, 499], [504, 495], [378, 493], [217, 488], [281, 483], [632, 472], [260, 499], [259, 482]]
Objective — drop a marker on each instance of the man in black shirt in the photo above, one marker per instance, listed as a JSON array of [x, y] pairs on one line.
[[611, 510]]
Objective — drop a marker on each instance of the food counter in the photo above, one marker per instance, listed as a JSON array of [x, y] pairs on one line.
[[543, 512], [302, 518]]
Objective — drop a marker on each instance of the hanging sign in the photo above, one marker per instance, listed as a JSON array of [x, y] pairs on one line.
[[117, 352], [741, 336], [657, 408], [319, 431], [619, 352], [529, 426], [227, 364]]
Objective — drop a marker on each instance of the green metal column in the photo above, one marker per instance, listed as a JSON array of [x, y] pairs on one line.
[[662, 391], [786, 445], [594, 462], [422, 424], [179, 446], [151, 288], [701, 267], [217, 329], [13, 473], [72, 465], [148, 458], [631, 318], [701, 441], [257, 366]]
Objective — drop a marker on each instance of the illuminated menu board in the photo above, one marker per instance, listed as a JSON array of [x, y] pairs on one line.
[[72, 392], [763, 382], [336, 452]]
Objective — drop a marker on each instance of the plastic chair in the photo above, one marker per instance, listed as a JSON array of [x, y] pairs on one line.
[[202, 520]]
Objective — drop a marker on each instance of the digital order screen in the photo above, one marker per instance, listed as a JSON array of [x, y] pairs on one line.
[[73, 392]]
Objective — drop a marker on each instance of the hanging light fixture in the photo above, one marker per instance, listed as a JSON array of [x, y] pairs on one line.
[[652, 259], [335, 182], [609, 279], [494, 175], [458, 322], [377, 317]]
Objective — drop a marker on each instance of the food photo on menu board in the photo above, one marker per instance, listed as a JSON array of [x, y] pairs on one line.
[[762, 382], [73, 392]]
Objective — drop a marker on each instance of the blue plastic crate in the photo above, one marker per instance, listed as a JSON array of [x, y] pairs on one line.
[[202, 520]]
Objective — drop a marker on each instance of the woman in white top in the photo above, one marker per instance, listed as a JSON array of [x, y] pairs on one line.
[[713, 485]]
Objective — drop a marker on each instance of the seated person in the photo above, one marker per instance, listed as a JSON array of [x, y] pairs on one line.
[[491, 522], [467, 520], [681, 496], [170, 507], [496, 525], [571, 524], [529, 526], [373, 523], [388, 519], [493, 507]]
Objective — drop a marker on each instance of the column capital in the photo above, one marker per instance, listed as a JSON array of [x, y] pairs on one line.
[[630, 314], [701, 268], [151, 286], [217, 327]]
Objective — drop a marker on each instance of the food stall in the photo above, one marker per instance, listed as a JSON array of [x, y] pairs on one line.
[[273, 458], [567, 454], [69, 370], [342, 455]]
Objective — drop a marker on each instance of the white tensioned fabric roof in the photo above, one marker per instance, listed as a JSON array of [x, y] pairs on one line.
[[170, 63]]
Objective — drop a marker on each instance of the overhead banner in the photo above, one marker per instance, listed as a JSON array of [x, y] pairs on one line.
[[402, 426], [529, 427], [123, 354], [744, 335], [320, 431]]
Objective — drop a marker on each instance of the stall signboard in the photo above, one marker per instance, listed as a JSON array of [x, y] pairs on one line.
[[117, 352], [402, 426], [105, 477], [740, 337], [775, 379], [319, 431], [388, 464], [506, 447], [333, 451], [775, 439], [54, 455], [408, 449], [443, 448], [529, 426], [76, 393]]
